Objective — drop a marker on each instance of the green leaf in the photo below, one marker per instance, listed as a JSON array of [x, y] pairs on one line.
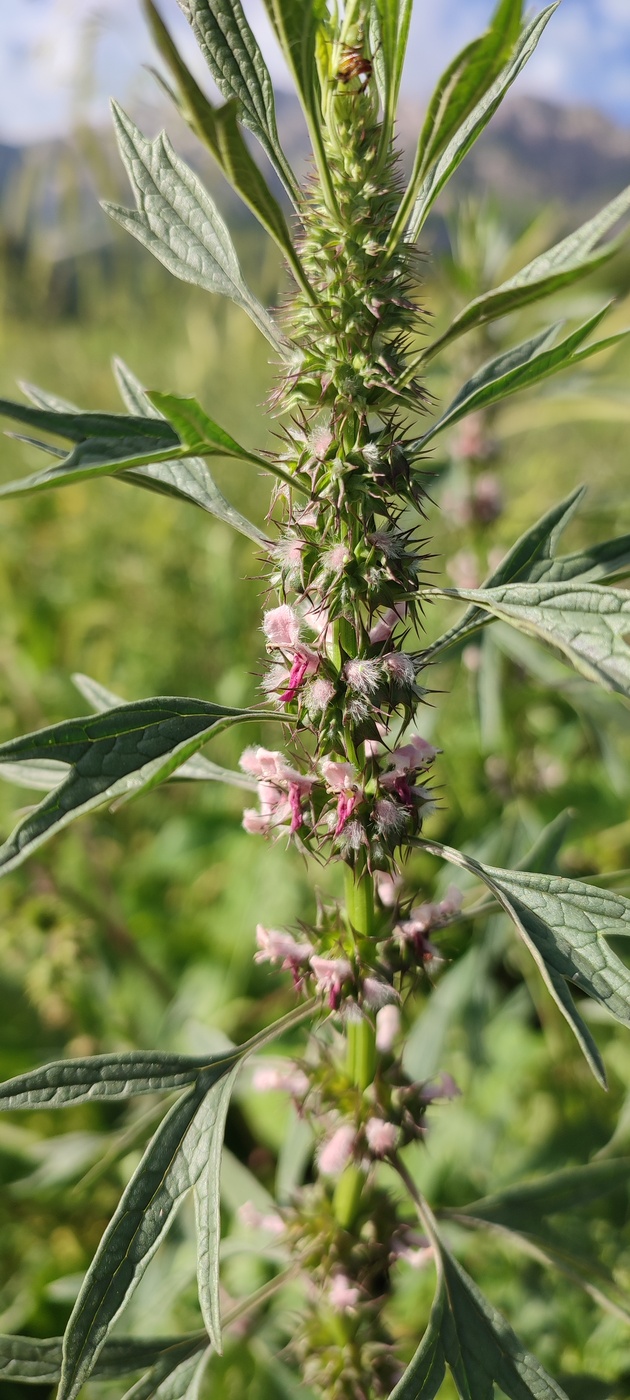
[[459, 92], [521, 1207], [198, 432], [37, 1360], [475, 1340], [608, 559], [187, 480], [219, 129], [389, 32], [117, 443], [167, 1381], [118, 753], [564, 924], [528, 559], [587, 623], [197, 768], [559, 267], [115, 1076], [179, 223], [239, 71], [473, 124], [298, 28], [526, 364], [425, 1372], [169, 1168], [207, 1196]]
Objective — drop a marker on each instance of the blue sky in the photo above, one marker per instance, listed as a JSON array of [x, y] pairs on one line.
[[45, 46]]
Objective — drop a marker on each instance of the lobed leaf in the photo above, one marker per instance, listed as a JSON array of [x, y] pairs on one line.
[[532, 551], [179, 223], [459, 92], [189, 479], [473, 124], [118, 753], [586, 622], [565, 263], [476, 1341], [519, 368], [207, 1197], [239, 71], [564, 924], [219, 129], [144, 450]]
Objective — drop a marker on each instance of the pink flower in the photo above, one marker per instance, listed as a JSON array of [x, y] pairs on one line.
[[387, 887], [337, 1151], [281, 627], [400, 667], [382, 630], [330, 975], [390, 819], [339, 777], [387, 1028], [451, 903], [343, 1295], [377, 993], [363, 675], [414, 756], [444, 1087], [335, 559], [253, 1219], [381, 1137], [275, 946], [272, 1079], [305, 663], [319, 695], [254, 823]]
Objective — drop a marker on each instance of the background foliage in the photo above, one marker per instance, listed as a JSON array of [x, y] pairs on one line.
[[137, 930]]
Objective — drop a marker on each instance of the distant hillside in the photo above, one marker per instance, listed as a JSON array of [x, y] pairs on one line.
[[531, 154]]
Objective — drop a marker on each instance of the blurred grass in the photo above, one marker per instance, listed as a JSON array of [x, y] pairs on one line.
[[137, 928]]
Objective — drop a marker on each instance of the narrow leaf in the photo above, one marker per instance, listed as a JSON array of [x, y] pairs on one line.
[[110, 444], [37, 1360], [459, 92], [527, 364], [200, 434], [474, 124], [207, 1196], [239, 71], [481, 1348], [114, 1076], [522, 1206], [219, 129], [169, 1381], [300, 29], [587, 623], [118, 753], [572, 258], [425, 1372], [169, 1168], [195, 769], [188, 480], [178, 222]]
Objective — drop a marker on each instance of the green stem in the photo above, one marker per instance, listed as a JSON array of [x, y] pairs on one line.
[[361, 1043]]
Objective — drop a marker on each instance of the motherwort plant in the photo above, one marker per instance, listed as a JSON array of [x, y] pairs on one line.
[[348, 670]]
